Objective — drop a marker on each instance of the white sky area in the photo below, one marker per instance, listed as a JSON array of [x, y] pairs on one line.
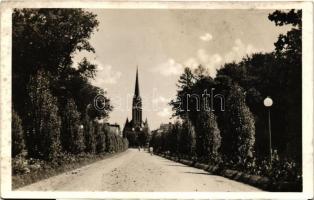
[[161, 43]]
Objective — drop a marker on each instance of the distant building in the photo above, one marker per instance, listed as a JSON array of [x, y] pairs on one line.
[[114, 128], [165, 127], [136, 130]]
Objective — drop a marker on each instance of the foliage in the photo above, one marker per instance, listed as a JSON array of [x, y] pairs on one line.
[[50, 36], [179, 139], [18, 143], [89, 135], [278, 75], [53, 97], [47, 39], [110, 140], [289, 51], [43, 131], [180, 105], [20, 165], [174, 137], [209, 137], [241, 144], [291, 43], [72, 137], [187, 142], [100, 139]]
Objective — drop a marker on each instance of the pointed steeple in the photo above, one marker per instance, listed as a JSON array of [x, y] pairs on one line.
[[137, 90]]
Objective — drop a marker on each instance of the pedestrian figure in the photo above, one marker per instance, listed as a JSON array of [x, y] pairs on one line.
[[139, 148], [151, 150]]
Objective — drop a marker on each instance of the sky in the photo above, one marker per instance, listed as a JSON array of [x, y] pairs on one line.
[[161, 43]]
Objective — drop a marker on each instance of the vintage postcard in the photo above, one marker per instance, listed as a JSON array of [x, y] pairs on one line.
[[168, 99]]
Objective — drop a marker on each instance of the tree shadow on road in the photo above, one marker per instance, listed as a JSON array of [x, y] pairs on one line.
[[174, 165], [204, 173]]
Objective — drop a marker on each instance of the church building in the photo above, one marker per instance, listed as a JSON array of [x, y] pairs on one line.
[[136, 130]]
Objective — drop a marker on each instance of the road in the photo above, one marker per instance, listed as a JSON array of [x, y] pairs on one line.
[[135, 171]]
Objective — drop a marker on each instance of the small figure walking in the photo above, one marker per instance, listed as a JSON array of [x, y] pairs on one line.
[[139, 148], [151, 149]]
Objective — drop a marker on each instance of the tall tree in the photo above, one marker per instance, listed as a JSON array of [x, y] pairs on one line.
[[208, 137], [100, 138], [289, 52], [43, 133], [89, 135], [46, 39], [72, 131], [180, 105], [242, 136], [187, 138]]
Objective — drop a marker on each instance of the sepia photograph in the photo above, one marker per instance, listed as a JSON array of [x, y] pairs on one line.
[[157, 100]]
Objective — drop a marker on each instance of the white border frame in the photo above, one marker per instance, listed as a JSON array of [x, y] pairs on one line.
[[307, 95]]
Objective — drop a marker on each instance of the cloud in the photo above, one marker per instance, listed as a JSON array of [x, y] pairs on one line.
[[207, 59], [99, 68], [170, 67], [165, 112], [106, 75], [191, 63], [239, 50], [206, 37], [160, 99], [213, 62]]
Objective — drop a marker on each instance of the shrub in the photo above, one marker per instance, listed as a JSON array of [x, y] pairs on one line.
[[18, 144], [187, 138], [72, 132], [208, 136], [100, 138], [110, 140], [43, 135], [20, 165], [241, 121], [125, 143], [89, 136]]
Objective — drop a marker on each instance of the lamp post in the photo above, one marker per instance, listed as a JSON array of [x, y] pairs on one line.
[[268, 102]]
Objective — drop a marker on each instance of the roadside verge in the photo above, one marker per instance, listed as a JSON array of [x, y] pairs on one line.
[[263, 183]]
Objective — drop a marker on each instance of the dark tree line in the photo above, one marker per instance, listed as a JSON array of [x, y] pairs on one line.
[[238, 135], [52, 100]]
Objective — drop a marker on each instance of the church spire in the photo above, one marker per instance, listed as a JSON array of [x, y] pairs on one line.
[[137, 90]]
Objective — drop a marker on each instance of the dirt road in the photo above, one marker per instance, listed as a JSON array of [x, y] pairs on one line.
[[135, 171]]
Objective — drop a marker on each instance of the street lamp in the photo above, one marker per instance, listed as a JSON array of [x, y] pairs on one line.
[[268, 102]]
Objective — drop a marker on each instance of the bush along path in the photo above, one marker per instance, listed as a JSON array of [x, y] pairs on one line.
[[261, 182], [42, 170], [27, 170]]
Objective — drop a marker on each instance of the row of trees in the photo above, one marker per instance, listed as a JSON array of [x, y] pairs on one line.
[[238, 134], [53, 98], [198, 134]]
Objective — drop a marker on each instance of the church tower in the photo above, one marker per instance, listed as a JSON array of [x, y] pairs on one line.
[[137, 105], [136, 130]]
